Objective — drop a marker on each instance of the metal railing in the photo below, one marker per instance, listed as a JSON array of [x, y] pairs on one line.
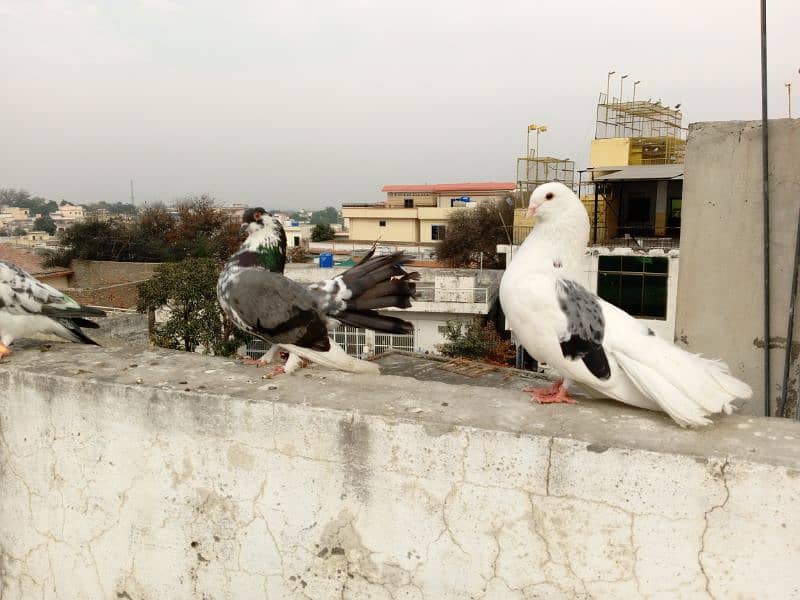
[[641, 237]]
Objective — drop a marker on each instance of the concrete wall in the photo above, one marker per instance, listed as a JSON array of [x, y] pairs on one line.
[[720, 298], [98, 273], [151, 475]]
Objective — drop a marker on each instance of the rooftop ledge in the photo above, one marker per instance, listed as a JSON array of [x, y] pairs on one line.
[[502, 407], [160, 474]]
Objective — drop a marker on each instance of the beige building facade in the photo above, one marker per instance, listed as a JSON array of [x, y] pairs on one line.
[[418, 214]]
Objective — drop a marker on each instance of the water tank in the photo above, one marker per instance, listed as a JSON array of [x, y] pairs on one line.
[[326, 260]]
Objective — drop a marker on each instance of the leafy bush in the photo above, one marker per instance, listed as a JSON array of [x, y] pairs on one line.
[[187, 292], [327, 215], [477, 341], [298, 254], [44, 223], [474, 231], [322, 233], [198, 230]]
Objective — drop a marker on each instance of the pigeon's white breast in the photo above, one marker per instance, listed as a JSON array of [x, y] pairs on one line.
[[18, 326]]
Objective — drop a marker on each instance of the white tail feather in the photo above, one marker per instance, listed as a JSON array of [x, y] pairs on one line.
[[335, 358], [673, 401], [686, 386]]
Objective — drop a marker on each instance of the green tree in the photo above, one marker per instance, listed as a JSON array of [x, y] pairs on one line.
[[20, 231], [10, 196], [203, 230], [477, 341], [187, 291], [471, 232], [322, 232], [328, 215], [44, 223], [198, 230], [94, 239], [22, 199]]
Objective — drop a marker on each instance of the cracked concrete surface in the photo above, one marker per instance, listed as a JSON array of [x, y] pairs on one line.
[[339, 486]]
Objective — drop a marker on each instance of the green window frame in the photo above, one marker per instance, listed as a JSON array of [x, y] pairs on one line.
[[639, 285]]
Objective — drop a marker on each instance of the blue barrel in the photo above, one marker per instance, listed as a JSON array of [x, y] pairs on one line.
[[326, 260]]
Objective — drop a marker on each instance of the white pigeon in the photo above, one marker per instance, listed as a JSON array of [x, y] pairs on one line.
[[590, 341], [29, 307]]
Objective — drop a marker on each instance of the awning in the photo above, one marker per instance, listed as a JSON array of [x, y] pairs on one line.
[[638, 172]]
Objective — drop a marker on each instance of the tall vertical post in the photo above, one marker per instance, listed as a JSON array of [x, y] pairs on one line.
[[765, 195]]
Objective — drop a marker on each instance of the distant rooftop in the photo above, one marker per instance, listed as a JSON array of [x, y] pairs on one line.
[[29, 261], [484, 186]]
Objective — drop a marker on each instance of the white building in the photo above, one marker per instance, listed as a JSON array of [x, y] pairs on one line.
[[67, 214], [297, 233]]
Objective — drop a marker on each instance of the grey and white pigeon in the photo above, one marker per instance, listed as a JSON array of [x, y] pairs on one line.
[[260, 300], [593, 342], [29, 307]]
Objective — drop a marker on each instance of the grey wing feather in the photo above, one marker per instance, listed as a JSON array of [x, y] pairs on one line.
[[585, 327], [21, 293], [277, 308], [582, 309]]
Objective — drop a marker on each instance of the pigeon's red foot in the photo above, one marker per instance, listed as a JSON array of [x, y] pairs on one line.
[[246, 360], [4, 351], [555, 394], [279, 370]]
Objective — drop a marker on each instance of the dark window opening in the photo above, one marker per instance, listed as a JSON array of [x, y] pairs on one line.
[[381, 223], [637, 215], [636, 284], [437, 232], [408, 203], [296, 240]]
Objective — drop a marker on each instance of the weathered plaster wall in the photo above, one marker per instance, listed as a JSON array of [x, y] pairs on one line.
[[158, 475]]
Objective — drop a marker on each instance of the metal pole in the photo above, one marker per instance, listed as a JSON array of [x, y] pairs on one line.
[[765, 194], [790, 329], [595, 213], [789, 94]]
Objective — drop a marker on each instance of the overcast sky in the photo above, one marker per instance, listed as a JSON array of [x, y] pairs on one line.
[[301, 103]]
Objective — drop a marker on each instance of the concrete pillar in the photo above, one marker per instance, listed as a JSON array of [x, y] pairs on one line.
[[720, 298]]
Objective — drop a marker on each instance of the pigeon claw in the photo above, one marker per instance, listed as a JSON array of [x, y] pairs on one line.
[[561, 397], [4, 351], [253, 361], [555, 394]]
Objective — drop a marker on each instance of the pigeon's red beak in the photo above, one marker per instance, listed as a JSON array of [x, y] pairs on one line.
[[531, 212]]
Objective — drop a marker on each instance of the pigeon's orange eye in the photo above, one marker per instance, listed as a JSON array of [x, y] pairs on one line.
[[549, 196], [257, 216]]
